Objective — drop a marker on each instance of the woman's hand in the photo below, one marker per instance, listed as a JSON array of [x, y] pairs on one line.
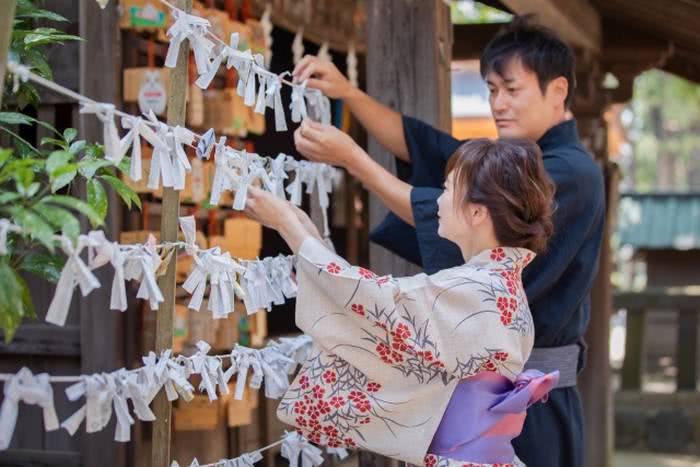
[[268, 209], [306, 222], [291, 222]]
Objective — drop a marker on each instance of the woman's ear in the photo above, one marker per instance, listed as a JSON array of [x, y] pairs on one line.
[[479, 214]]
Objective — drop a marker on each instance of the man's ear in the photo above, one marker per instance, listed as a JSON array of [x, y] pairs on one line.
[[558, 89]]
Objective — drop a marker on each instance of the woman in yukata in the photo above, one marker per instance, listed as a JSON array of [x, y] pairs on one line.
[[426, 369]]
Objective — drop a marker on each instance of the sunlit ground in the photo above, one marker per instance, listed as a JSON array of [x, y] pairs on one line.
[[645, 459]]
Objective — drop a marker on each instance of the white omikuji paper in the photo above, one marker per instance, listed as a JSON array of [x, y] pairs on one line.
[[128, 393]]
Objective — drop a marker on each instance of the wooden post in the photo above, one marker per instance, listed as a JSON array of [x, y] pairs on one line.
[[409, 49], [687, 350], [7, 16], [634, 350], [160, 455], [594, 382], [101, 330]]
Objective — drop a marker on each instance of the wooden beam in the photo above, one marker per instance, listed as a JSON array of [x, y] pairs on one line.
[[101, 340], [471, 39], [338, 23], [687, 349], [37, 458], [634, 350], [41, 339], [409, 48], [7, 16], [160, 454], [408, 68], [576, 21]]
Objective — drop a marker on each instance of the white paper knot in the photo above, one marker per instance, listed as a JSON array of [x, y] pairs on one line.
[[141, 264], [75, 272], [20, 73], [162, 169], [258, 289], [274, 101], [114, 147], [195, 29], [246, 460], [222, 272], [209, 368], [224, 175], [278, 175], [139, 128], [295, 446], [181, 165], [30, 389], [298, 104], [5, 228]]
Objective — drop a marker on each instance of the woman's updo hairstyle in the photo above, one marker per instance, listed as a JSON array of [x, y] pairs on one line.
[[507, 176]]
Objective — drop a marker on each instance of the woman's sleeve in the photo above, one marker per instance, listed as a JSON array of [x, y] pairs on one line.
[[439, 326]]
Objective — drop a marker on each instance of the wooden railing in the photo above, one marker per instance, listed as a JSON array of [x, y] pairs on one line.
[[684, 300]]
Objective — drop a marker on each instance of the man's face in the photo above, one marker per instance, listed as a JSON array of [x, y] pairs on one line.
[[519, 107]]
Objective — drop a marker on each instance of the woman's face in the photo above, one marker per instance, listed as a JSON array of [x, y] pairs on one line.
[[454, 222]]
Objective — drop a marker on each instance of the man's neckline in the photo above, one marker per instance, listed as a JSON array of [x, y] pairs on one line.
[[560, 133]]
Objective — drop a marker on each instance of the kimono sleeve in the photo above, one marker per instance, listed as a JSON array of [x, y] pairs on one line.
[[427, 326]]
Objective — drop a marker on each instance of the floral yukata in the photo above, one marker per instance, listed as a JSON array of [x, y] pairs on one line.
[[424, 369]]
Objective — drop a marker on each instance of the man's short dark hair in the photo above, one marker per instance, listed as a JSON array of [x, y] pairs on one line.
[[539, 49]]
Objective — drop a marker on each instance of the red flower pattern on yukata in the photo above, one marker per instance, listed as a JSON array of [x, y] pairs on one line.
[[373, 387], [497, 254], [333, 268], [357, 308], [366, 273], [329, 377], [383, 280]]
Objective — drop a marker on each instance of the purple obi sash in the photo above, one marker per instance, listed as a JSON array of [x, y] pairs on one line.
[[486, 412]]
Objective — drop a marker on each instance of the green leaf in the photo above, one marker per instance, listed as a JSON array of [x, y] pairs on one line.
[[127, 194], [15, 302], [87, 166], [42, 14], [63, 176], [46, 141], [57, 160], [36, 60], [9, 197], [77, 204], [77, 146], [34, 225], [15, 118], [61, 219], [43, 36], [5, 154], [69, 134], [125, 165], [24, 176], [97, 197], [44, 265], [32, 189]]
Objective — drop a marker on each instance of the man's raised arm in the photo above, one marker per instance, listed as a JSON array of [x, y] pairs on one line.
[[380, 121]]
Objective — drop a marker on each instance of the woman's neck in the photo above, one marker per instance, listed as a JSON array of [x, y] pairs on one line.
[[476, 246]]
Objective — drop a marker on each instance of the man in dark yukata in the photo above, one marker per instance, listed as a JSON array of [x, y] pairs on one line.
[[530, 75]]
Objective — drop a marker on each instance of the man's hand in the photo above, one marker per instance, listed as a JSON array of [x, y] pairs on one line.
[[323, 75], [325, 143]]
